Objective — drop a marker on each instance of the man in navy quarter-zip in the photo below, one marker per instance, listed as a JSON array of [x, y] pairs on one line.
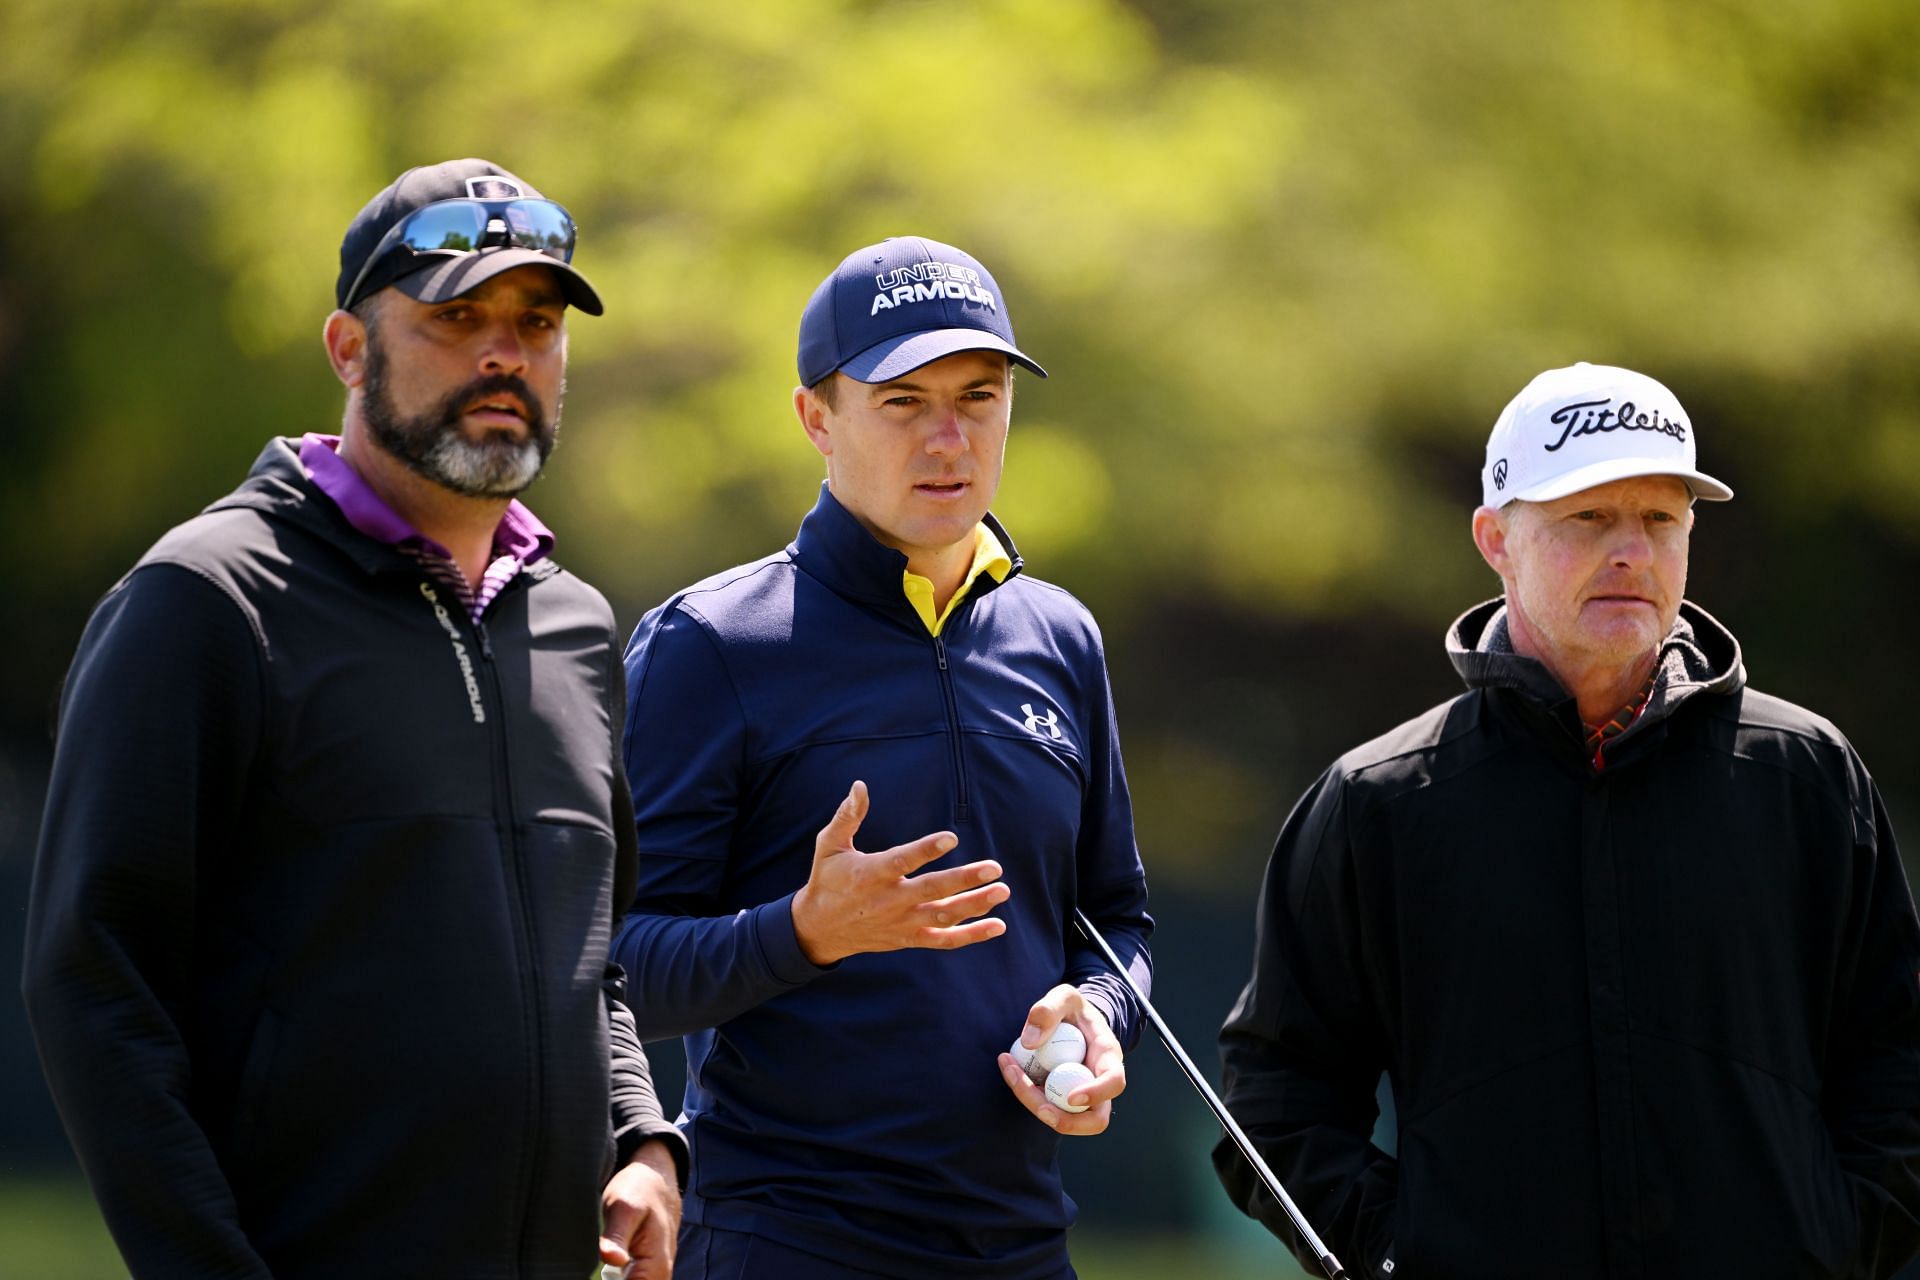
[[336, 835], [1629, 938], [851, 1105]]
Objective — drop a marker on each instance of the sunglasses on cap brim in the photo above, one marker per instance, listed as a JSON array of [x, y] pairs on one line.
[[451, 228]]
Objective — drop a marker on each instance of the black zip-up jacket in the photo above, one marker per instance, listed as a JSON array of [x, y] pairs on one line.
[[316, 951], [1659, 1018]]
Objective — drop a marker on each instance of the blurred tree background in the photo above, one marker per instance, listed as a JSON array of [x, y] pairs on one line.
[[1285, 262]]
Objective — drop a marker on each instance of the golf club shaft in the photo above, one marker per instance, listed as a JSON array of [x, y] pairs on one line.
[[1328, 1263]]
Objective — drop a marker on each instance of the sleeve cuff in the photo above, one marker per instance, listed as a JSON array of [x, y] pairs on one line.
[[1100, 1000], [632, 1140], [786, 962], [1106, 992]]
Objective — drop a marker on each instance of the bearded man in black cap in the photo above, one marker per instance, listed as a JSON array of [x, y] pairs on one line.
[[337, 831]]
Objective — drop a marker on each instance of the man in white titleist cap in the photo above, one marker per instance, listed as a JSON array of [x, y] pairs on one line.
[[1629, 939]]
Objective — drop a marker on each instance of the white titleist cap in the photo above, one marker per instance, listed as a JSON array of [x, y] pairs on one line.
[[1589, 424]]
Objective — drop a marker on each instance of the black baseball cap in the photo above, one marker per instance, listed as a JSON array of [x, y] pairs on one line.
[[438, 277]]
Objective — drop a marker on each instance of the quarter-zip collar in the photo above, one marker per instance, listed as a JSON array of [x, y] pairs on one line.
[[835, 548]]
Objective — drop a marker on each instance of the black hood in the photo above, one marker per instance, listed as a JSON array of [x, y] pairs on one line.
[[1698, 656]]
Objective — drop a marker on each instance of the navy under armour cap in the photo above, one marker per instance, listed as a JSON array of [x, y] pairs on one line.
[[899, 304]]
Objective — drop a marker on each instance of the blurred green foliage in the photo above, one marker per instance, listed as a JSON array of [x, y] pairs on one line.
[[1285, 261]]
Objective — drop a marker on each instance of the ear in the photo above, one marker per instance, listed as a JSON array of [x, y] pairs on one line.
[[1490, 535], [812, 412], [346, 341]]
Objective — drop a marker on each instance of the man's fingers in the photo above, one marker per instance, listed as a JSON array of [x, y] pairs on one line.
[[962, 907], [854, 902], [905, 859], [952, 881], [960, 935], [621, 1217], [1100, 1039], [652, 1252], [1108, 1064], [838, 834], [1095, 1119], [1049, 1011], [1085, 1124], [1106, 1086]]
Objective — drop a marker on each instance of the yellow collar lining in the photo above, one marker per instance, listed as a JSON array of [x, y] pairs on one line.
[[988, 557]]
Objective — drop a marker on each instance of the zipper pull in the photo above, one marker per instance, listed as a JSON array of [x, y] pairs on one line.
[[486, 645], [940, 652]]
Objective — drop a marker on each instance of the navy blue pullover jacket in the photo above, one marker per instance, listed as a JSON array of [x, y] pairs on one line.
[[856, 1111]]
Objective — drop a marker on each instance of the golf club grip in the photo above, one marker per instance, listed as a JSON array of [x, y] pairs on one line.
[[1328, 1263]]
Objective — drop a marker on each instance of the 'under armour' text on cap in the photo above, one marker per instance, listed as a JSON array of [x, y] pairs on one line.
[[442, 276], [1585, 425], [899, 304]]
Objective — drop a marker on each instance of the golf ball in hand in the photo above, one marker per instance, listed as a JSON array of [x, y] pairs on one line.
[[1028, 1060], [1066, 1044], [1063, 1080]]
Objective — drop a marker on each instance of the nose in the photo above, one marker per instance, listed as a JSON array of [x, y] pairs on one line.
[[502, 349], [1632, 548], [949, 436]]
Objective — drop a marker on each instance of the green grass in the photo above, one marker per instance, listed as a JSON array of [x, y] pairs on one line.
[[1111, 1256], [50, 1230]]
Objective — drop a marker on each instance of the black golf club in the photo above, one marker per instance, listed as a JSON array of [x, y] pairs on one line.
[[1328, 1263]]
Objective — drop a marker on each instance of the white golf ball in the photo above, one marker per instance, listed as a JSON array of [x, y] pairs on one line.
[[1028, 1061], [1063, 1080], [1065, 1045]]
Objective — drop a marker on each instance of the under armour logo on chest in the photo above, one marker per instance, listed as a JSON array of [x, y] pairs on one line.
[[1036, 722]]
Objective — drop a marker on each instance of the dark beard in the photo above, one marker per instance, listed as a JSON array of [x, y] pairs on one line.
[[433, 445]]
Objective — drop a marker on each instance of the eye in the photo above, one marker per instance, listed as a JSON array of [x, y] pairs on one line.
[[1589, 514], [455, 313], [901, 400]]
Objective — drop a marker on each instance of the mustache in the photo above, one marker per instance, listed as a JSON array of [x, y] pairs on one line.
[[454, 403]]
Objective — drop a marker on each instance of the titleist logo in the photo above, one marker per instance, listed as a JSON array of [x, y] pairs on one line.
[[1592, 417]]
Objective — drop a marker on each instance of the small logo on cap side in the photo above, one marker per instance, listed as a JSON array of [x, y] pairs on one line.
[[494, 187], [929, 282], [1590, 417], [1500, 474]]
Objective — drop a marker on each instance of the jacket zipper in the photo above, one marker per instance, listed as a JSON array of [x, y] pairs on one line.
[[531, 1003], [953, 731]]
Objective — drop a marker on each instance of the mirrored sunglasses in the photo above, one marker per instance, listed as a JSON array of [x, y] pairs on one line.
[[450, 227]]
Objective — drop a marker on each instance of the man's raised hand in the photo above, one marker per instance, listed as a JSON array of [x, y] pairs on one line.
[[855, 902]]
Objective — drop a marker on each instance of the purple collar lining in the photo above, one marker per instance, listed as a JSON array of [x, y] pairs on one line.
[[519, 534]]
